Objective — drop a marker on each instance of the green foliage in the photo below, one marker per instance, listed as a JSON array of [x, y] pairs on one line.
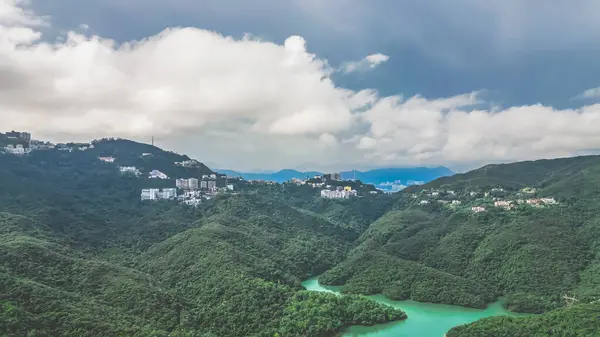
[[577, 321], [532, 256], [80, 255]]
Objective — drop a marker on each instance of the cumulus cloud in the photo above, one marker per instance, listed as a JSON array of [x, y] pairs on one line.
[[369, 62], [453, 130], [179, 79], [590, 93], [248, 103]]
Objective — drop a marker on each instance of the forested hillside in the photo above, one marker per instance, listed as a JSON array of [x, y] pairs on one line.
[[441, 251], [80, 255], [577, 321]]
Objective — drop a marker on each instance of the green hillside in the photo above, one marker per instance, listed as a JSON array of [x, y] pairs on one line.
[[445, 253], [577, 321], [80, 255]]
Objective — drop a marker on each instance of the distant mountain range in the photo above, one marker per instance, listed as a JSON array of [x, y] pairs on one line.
[[376, 177]]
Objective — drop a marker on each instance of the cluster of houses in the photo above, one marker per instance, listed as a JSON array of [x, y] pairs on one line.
[[194, 190], [490, 199], [328, 191], [25, 144]]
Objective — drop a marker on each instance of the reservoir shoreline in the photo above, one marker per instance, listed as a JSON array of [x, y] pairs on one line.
[[424, 319]]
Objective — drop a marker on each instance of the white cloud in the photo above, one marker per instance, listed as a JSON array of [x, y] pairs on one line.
[[590, 93], [247, 103], [182, 78], [450, 130], [369, 62]]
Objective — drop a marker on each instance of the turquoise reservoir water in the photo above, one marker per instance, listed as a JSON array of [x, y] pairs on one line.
[[424, 319]]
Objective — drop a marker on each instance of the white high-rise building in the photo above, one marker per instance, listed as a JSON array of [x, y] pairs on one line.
[[212, 185], [193, 183], [204, 184], [168, 193], [183, 184]]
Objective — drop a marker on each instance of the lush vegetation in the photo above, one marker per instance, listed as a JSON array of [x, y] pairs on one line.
[[532, 256], [577, 321], [80, 255]]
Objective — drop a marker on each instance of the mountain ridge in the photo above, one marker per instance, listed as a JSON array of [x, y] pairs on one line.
[[374, 176]]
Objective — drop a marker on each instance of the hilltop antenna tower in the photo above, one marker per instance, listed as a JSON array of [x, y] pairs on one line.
[[152, 140]]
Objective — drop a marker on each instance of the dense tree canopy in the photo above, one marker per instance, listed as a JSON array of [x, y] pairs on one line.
[[80, 255]]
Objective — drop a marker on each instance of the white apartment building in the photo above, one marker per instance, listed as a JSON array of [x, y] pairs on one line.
[[107, 159], [212, 185], [156, 174], [193, 183], [424, 202], [168, 193], [204, 185], [456, 202], [150, 193], [183, 184], [213, 176], [343, 194]]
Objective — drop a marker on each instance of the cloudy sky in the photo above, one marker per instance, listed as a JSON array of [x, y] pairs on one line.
[[309, 84]]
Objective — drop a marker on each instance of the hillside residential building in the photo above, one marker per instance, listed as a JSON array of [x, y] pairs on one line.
[[478, 209], [213, 176], [193, 183], [17, 150], [230, 187], [155, 193], [503, 203], [129, 170], [168, 193], [549, 201], [435, 194], [424, 202], [187, 163], [26, 136], [456, 202], [150, 193], [107, 159], [193, 202], [473, 194], [146, 154], [156, 174], [204, 185], [212, 185], [343, 194], [183, 184]]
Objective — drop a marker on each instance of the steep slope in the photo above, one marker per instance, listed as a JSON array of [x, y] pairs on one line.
[[533, 256]]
